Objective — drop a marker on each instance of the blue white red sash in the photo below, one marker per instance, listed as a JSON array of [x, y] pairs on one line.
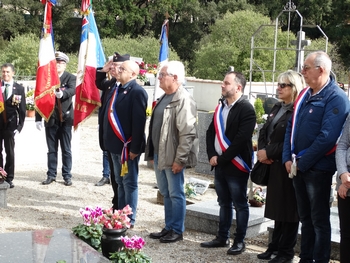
[[224, 141], [297, 105], [118, 130]]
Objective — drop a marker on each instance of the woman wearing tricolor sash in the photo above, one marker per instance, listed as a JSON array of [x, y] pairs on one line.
[[281, 204]]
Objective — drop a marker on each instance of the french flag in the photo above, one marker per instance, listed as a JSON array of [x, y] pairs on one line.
[[91, 56], [47, 79], [163, 58]]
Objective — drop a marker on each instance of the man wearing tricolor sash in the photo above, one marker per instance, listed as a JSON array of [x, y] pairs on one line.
[[229, 149], [124, 133], [309, 153]]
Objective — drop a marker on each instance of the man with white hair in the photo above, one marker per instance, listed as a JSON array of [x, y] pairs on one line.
[[309, 153], [173, 145]]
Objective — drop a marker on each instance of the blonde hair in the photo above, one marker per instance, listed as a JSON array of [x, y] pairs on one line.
[[294, 78]]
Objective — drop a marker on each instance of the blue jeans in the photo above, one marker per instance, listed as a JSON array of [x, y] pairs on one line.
[[231, 190], [106, 169], [171, 187], [312, 191], [63, 134], [127, 184]]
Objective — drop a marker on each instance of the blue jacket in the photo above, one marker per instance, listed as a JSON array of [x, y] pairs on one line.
[[130, 107], [320, 122]]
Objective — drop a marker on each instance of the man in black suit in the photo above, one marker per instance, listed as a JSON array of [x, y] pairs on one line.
[[59, 126], [229, 149], [123, 134], [11, 118], [105, 84]]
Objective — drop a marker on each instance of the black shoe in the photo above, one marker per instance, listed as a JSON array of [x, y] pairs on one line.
[[103, 181], [217, 242], [49, 180], [237, 248], [67, 182], [171, 237], [11, 184], [158, 235], [280, 260], [266, 255]]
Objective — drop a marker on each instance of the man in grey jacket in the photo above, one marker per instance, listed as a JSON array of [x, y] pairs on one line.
[[173, 145]]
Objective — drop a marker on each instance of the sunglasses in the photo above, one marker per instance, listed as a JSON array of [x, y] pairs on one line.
[[283, 85]]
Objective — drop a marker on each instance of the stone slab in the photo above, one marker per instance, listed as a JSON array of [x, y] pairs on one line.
[[204, 120], [335, 236], [204, 217], [46, 246], [3, 194]]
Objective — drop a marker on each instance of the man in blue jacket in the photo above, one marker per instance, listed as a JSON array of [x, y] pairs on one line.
[[123, 134], [309, 153]]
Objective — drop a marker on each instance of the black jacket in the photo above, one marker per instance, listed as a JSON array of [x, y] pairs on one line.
[[240, 125], [68, 83], [14, 112], [280, 200]]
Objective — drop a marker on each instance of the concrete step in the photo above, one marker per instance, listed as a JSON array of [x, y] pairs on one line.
[[204, 217]]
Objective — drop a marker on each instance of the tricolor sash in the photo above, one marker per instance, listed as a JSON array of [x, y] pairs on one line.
[[224, 141], [297, 105], [118, 130]]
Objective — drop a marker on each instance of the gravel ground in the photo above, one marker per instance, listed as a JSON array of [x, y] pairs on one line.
[[31, 205]]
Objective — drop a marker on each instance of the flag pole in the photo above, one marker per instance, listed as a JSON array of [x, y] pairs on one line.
[[163, 58]]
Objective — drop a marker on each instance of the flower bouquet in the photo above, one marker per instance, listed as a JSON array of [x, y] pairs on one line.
[[116, 219], [90, 230], [131, 252], [259, 198]]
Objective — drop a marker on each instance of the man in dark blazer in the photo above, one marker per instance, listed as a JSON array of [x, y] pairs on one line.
[[229, 149], [123, 134], [59, 126], [105, 81], [11, 118]]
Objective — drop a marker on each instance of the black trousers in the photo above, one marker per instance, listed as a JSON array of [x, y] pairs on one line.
[[284, 238], [7, 140], [344, 220], [113, 182]]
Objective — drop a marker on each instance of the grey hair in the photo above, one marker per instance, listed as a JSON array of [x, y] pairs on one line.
[[176, 68], [321, 59]]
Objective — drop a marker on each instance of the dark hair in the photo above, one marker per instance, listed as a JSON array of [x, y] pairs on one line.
[[8, 65], [239, 78]]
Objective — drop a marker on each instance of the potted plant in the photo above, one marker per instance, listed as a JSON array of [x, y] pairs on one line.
[[115, 224], [30, 103], [90, 230], [131, 252]]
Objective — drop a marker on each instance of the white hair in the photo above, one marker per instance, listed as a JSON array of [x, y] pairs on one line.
[[176, 68]]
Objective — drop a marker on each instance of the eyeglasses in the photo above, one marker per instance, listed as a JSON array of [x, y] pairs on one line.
[[162, 75], [122, 69], [283, 85], [306, 67], [60, 62]]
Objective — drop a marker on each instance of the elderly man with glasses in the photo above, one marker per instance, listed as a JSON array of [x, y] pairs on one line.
[[309, 153], [173, 145], [123, 137]]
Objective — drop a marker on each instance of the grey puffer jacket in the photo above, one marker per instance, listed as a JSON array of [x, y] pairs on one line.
[[178, 135]]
